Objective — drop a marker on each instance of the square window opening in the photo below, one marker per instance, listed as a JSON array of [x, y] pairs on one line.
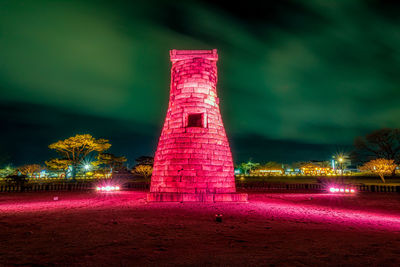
[[195, 120]]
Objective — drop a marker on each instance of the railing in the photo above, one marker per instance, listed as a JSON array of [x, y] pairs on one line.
[[46, 187], [261, 186], [315, 187]]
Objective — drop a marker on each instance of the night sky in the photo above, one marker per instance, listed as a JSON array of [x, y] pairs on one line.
[[298, 80]]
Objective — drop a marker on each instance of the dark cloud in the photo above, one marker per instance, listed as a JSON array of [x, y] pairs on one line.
[[33, 127], [300, 75]]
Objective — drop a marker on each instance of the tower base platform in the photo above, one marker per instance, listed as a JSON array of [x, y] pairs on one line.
[[196, 197]]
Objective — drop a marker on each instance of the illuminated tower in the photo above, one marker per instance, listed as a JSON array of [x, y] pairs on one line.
[[193, 161]]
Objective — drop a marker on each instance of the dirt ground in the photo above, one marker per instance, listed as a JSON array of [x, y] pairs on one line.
[[273, 229]]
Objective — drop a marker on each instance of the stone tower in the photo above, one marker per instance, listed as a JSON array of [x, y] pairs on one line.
[[193, 161]]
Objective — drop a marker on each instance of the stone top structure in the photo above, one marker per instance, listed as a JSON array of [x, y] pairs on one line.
[[176, 55]]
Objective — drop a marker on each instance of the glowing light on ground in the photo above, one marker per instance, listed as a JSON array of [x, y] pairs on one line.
[[342, 190], [107, 188]]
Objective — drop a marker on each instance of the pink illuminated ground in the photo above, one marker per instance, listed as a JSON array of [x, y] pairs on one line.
[[274, 229]]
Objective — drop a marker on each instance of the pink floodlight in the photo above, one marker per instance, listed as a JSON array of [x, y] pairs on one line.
[[341, 190], [108, 188]]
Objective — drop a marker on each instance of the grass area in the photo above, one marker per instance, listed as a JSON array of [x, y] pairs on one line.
[[273, 229]]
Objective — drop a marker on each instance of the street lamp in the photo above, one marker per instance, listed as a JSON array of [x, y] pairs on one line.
[[340, 159], [87, 168]]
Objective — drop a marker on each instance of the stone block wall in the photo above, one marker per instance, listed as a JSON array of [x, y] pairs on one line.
[[193, 154]]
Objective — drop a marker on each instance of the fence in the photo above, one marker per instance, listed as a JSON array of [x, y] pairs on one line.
[[46, 187], [82, 186], [315, 187]]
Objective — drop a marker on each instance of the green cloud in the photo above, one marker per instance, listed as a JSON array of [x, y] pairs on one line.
[[322, 73]]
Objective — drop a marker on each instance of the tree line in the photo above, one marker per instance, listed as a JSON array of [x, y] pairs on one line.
[[377, 152], [82, 153]]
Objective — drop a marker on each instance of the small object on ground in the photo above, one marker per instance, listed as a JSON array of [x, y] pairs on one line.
[[55, 198], [218, 217], [28, 233]]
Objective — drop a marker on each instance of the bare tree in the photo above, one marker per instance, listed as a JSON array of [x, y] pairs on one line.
[[384, 144]]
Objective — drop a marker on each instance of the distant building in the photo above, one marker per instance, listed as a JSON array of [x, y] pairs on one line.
[[316, 168], [268, 172], [292, 171]]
